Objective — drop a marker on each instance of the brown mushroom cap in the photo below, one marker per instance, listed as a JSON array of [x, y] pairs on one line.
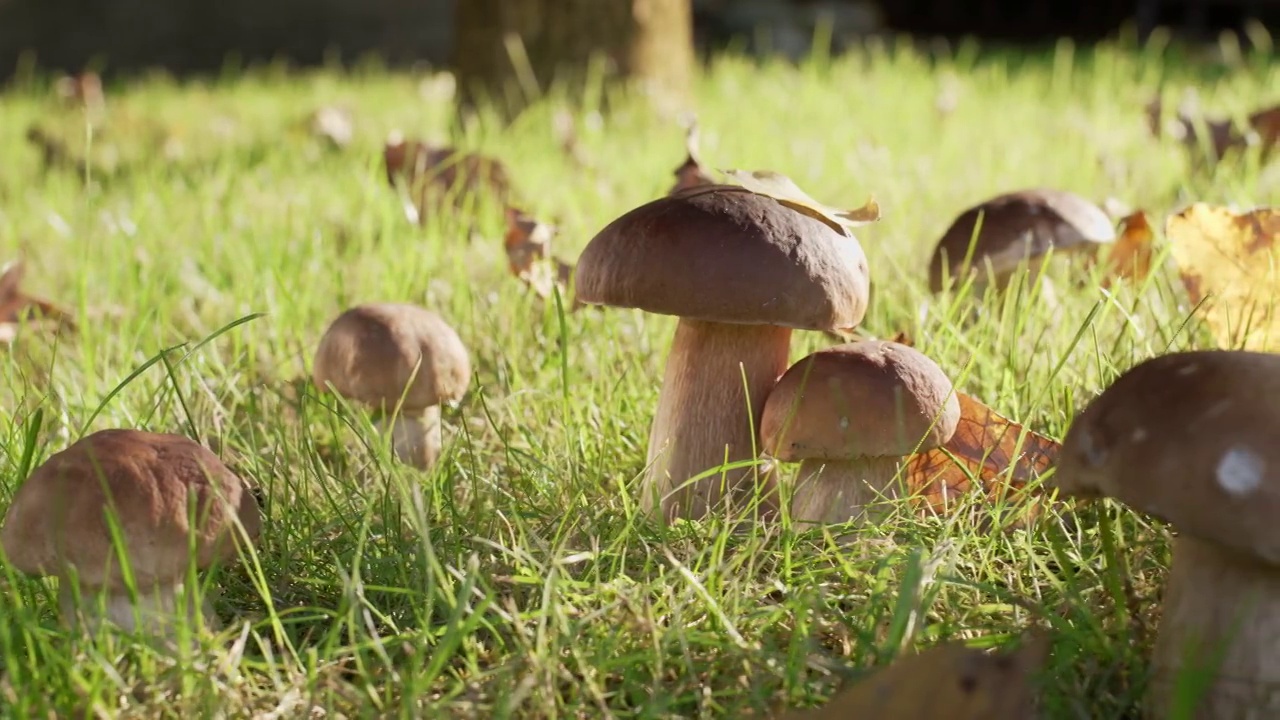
[[58, 517], [1017, 226], [371, 352], [722, 253], [1190, 438], [860, 399]]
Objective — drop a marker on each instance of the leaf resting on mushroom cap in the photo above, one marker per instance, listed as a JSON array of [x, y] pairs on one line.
[[946, 681], [784, 190], [1229, 261]]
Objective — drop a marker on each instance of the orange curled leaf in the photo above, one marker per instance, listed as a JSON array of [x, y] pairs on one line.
[[1001, 454], [945, 681], [1131, 254], [1228, 263]]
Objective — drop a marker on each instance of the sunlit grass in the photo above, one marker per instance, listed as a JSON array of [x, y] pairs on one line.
[[516, 578]]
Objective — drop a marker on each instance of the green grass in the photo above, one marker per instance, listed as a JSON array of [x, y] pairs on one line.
[[516, 578]]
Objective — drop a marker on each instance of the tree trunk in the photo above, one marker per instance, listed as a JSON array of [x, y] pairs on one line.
[[646, 41]]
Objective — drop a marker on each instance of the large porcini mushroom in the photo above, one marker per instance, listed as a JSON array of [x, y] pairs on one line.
[[851, 414], [1013, 229], [740, 270], [402, 361], [164, 494], [1190, 438]]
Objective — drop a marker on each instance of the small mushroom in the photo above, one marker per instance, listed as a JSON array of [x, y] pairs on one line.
[[164, 493], [851, 414], [402, 361], [1190, 438], [1016, 228], [741, 271]]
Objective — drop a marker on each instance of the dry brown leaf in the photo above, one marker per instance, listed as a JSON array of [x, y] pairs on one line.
[[83, 90], [332, 124], [430, 174], [1262, 129], [1228, 261], [17, 307], [986, 446], [690, 173], [1130, 256], [949, 681], [528, 245]]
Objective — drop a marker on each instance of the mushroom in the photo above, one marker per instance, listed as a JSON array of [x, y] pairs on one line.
[[851, 414], [165, 494], [1190, 438], [1017, 227], [741, 271], [402, 361]]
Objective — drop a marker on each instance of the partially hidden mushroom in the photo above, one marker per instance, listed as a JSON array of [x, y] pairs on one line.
[[402, 362], [1190, 438], [168, 499], [995, 238], [741, 271], [852, 415]]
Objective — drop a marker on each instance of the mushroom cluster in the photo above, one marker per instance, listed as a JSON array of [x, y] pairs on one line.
[[852, 414], [1190, 438], [159, 496], [741, 271]]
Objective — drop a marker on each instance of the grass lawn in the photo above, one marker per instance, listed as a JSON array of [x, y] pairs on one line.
[[516, 578]]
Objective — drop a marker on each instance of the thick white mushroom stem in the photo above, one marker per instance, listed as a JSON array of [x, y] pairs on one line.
[[415, 437], [837, 491], [157, 611], [717, 378], [1220, 628]]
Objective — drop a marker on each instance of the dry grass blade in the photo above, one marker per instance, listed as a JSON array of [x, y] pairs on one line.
[[690, 173], [946, 681], [1228, 262], [999, 453]]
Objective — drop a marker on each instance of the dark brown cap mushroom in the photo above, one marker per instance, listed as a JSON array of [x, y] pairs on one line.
[[1016, 228], [394, 355], [1190, 438], [851, 414], [164, 494], [740, 270]]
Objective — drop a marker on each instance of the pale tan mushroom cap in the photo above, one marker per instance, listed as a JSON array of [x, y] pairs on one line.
[[59, 516], [1190, 438], [722, 253], [372, 352], [860, 399], [1017, 226]]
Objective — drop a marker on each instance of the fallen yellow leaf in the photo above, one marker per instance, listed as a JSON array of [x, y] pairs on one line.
[[1228, 262]]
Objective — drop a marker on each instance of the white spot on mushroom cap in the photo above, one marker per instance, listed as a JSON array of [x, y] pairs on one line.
[[844, 423], [1240, 471], [1189, 369], [1094, 454], [1139, 435]]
